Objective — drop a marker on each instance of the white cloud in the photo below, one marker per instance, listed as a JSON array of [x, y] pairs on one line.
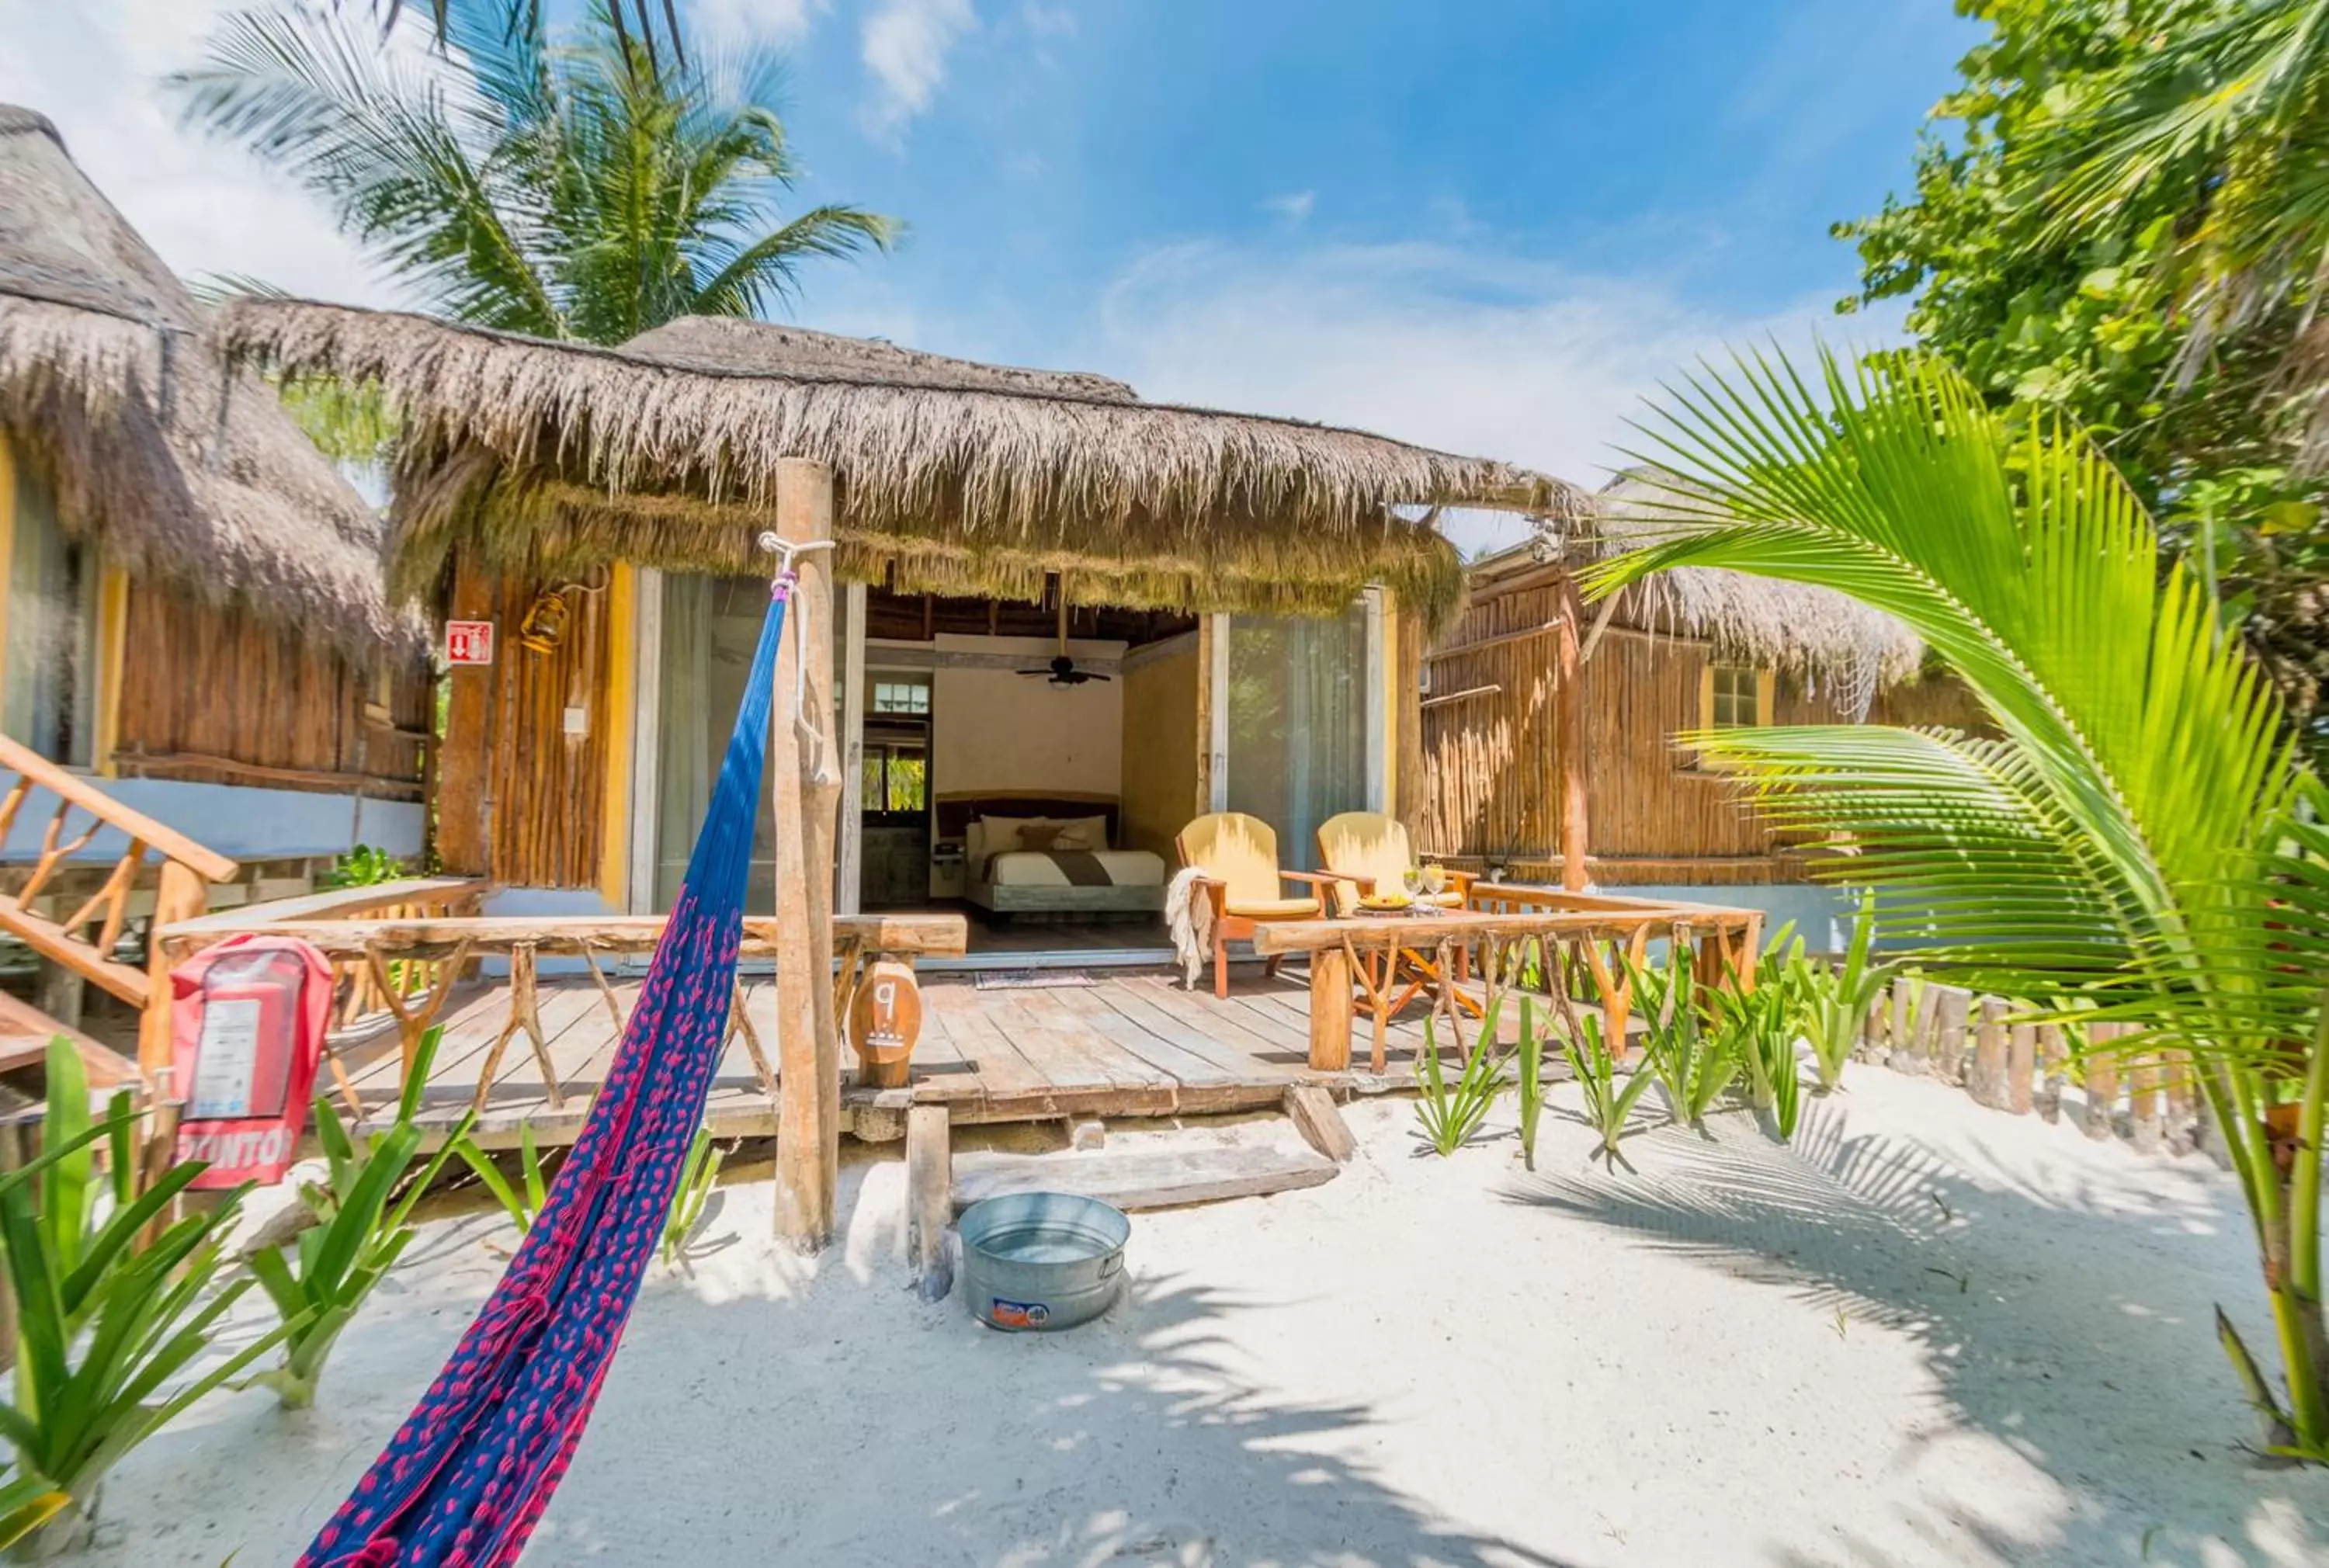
[[904, 45], [95, 69], [1047, 21], [1464, 349], [777, 22], [1294, 207]]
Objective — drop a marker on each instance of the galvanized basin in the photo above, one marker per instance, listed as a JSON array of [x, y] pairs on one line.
[[1042, 1260]]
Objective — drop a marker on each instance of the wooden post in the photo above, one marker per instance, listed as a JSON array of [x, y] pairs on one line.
[[2052, 1053], [1948, 1034], [1408, 782], [2021, 1070], [1568, 742], [181, 893], [2102, 1082], [929, 1198], [1988, 1083], [1330, 1010], [809, 1052], [464, 755], [2144, 1126]]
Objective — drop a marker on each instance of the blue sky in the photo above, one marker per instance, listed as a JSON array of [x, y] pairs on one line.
[[1491, 226]]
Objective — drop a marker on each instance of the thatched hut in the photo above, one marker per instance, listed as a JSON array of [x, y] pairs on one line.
[[1691, 648], [194, 604], [1246, 589]]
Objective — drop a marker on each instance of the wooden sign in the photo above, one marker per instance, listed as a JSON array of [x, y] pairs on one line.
[[468, 642], [886, 1020]]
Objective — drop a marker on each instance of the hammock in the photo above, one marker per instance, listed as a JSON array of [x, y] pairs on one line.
[[475, 1464]]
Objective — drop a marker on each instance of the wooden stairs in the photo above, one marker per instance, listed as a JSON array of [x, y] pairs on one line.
[[80, 936]]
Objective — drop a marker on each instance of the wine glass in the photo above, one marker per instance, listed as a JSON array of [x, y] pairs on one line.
[[1412, 880]]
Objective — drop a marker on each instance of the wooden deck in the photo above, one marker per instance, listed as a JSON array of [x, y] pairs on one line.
[[1129, 1043]]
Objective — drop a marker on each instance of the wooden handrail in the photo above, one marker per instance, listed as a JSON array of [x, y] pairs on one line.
[[1380, 931], [74, 790], [935, 935], [332, 903]]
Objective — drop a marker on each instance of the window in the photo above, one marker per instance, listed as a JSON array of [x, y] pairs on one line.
[[896, 778], [901, 697], [1734, 696]]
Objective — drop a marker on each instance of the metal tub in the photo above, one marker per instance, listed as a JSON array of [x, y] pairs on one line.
[[1042, 1260]]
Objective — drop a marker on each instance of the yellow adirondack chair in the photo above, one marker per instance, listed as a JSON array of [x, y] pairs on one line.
[[1239, 856]]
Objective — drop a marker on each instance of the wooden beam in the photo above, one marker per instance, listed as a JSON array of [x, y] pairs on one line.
[[930, 935], [1369, 933], [167, 840], [333, 903], [1466, 694], [1313, 1112], [1525, 634], [1138, 1181], [1569, 743], [179, 894], [929, 1198], [1332, 1001], [139, 763], [805, 785]]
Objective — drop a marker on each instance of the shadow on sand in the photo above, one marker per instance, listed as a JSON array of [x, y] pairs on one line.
[[2113, 1386]]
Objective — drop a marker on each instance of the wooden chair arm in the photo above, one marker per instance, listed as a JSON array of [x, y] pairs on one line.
[[1315, 878], [1217, 894]]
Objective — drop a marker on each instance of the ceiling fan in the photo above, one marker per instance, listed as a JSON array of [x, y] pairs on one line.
[[1062, 670]]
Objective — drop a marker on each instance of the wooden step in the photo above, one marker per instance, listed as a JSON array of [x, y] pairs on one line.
[[1133, 1179], [26, 1032]]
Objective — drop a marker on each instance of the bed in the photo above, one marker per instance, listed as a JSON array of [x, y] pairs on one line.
[[1050, 856]]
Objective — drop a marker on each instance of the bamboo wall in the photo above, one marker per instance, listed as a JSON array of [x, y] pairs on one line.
[[217, 696], [1490, 793], [519, 800]]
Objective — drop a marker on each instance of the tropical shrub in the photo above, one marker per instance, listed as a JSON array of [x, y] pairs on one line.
[[1836, 1000], [365, 867], [1453, 1113], [362, 1227], [1530, 1057], [697, 1178], [108, 1315], [1692, 1065], [2139, 832], [520, 1199], [1760, 1025], [1608, 1105]]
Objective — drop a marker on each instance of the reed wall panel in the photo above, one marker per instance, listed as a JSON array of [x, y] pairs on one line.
[[1490, 793], [217, 696], [522, 800]]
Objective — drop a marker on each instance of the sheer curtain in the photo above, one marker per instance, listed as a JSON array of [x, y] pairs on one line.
[[1297, 723]]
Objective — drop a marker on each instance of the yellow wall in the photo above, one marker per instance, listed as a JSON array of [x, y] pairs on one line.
[[996, 732], [7, 539], [1160, 749], [621, 714]]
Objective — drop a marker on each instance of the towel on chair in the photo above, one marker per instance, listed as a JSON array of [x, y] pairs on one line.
[[1189, 916]]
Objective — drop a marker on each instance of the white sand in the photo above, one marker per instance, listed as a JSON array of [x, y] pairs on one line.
[[1738, 1356]]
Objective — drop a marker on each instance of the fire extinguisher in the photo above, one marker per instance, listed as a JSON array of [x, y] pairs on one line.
[[248, 1019]]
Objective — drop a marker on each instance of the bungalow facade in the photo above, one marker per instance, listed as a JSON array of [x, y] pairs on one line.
[[1056, 600], [194, 613]]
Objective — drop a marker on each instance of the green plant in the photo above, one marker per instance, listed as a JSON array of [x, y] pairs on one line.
[[1608, 1105], [1530, 1055], [362, 1227], [1836, 1000], [2139, 831], [697, 1178], [1452, 1113], [364, 867], [1692, 1066], [1760, 1024], [107, 1315], [522, 1199], [569, 182]]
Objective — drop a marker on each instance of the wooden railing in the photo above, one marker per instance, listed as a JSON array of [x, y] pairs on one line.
[[182, 892], [1505, 933], [413, 963]]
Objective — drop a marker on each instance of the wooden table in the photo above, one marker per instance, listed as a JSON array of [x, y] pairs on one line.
[[1594, 930]]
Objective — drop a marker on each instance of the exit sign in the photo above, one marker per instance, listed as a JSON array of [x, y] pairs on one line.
[[468, 642]]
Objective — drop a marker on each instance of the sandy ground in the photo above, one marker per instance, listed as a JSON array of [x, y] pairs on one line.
[[1929, 1334]]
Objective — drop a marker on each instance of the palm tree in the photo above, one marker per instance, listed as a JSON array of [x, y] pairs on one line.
[[2140, 837], [588, 187]]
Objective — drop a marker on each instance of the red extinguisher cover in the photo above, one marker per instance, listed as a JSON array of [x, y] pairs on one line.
[[248, 1019]]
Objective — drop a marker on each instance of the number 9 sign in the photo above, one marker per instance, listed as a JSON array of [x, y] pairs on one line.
[[886, 1020]]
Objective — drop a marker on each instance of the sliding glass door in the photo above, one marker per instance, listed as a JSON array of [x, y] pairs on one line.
[[1299, 724]]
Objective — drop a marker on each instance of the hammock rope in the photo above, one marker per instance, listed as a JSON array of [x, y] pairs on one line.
[[469, 1473]]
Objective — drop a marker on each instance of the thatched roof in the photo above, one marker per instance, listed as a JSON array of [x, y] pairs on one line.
[[178, 470], [1836, 643], [952, 477]]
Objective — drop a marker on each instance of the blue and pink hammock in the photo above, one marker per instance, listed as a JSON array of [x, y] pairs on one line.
[[473, 1466]]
